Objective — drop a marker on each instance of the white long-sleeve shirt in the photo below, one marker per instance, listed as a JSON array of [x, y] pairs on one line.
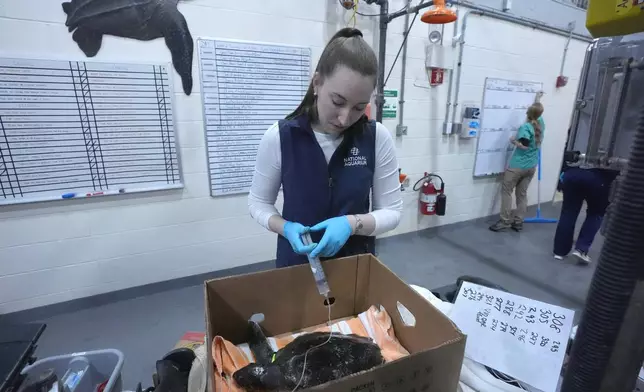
[[386, 200]]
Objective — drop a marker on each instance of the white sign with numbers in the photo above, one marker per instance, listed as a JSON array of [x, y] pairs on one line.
[[521, 337]]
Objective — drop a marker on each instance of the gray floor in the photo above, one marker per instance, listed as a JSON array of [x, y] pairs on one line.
[[146, 327]]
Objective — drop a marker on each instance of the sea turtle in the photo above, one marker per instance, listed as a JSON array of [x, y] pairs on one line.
[[144, 20], [339, 357]]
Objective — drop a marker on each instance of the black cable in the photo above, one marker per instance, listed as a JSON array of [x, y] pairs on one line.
[[401, 47]]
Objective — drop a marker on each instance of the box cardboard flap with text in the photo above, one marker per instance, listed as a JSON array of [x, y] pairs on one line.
[[289, 301]]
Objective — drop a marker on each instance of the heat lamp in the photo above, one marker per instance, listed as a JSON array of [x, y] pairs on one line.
[[439, 14]]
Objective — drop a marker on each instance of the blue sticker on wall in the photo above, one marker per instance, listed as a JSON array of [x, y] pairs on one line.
[[474, 124]]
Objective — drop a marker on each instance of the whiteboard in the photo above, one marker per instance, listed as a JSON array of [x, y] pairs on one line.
[[521, 337], [246, 87], [504, 109], [71, 129]]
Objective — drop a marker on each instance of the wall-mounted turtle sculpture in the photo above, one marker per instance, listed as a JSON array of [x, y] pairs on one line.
[[144, 20]]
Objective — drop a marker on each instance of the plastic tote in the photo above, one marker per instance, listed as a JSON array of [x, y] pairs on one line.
[[84, 371]]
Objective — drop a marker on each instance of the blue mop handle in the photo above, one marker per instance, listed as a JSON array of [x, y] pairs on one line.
[[539, 165], [539, 184]]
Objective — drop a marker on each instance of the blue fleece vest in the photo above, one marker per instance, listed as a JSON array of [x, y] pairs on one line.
[[315, 191]]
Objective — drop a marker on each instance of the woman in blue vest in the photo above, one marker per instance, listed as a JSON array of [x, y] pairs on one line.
[[330, 160]]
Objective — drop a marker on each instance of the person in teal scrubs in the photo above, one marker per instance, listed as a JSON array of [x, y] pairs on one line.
[[521, 169]]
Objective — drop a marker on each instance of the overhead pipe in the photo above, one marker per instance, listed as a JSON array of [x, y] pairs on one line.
[[483, 11], [382, 57], [459, 68], [385, 18], [565, 53], [447, 128], [400, 129]]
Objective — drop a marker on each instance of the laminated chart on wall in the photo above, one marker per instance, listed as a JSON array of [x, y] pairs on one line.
[[505, 103], [77, 129], [246, 87]]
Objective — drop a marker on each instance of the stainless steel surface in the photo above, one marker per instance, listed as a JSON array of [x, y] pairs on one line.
[[581, 102], [604, 119]]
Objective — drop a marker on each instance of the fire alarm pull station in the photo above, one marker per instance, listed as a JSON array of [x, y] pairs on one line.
[[471, 122]]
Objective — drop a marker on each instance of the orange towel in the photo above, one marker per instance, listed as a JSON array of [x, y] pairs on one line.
[[374, 323]]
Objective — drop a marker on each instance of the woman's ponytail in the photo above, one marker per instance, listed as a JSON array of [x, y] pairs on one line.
[[534, 113], [537, 131]]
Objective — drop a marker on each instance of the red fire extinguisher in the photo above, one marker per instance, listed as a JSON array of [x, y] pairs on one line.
[[431, 200]]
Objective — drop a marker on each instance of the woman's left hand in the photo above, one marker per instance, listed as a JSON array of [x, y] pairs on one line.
[[513, 139], [336, 233]]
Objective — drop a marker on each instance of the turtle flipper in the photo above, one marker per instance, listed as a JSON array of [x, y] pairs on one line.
[[258, 344], [89, 41], [179, 41]]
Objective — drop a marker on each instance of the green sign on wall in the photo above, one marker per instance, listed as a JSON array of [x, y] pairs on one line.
[[390, 109]]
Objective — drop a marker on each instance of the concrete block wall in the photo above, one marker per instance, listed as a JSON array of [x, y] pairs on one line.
[[59, 251]]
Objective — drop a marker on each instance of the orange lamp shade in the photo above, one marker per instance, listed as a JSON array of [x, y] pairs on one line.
[[439, 14]]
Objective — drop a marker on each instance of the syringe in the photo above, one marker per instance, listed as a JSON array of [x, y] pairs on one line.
[[316, 268]]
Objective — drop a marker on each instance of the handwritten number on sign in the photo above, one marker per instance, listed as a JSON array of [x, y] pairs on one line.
[[544, 341], [498, 304], [556, 322], [489, 299], [481, 318], [533, 338], [544, 318], [504, 327], [555, 347]]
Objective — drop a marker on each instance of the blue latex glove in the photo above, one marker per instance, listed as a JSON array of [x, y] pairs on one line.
[[293, 233], [336, 233]]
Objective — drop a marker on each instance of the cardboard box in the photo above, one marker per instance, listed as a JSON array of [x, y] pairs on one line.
[[289, 301]]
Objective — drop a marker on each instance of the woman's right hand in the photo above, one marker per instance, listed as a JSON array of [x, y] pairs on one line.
[[293, 232]]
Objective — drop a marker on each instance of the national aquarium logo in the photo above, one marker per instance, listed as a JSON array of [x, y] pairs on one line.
[[354, 158]]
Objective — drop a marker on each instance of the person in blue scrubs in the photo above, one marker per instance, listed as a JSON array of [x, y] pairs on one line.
[[582, 185], [337, 169]]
